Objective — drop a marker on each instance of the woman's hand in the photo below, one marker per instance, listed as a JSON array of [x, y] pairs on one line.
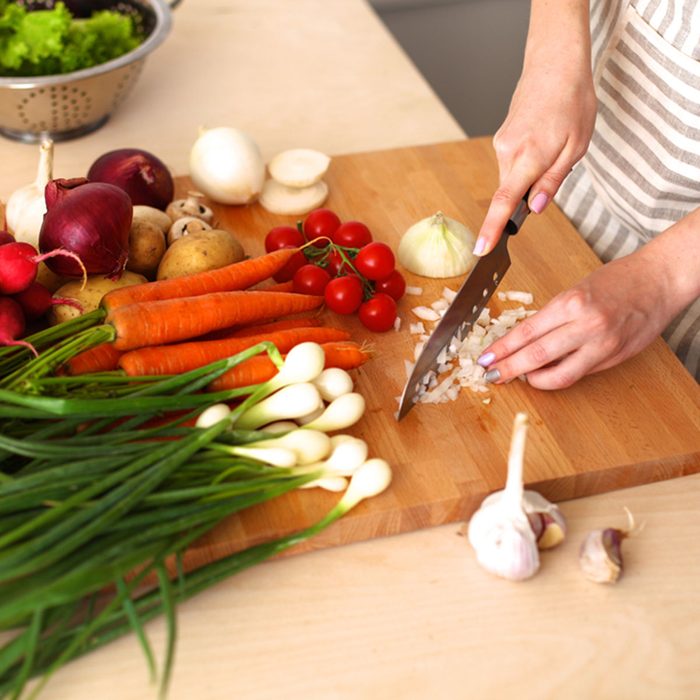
[[609, 316], [551, 116]]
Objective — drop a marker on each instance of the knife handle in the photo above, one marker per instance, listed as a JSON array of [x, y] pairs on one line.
[[518, 216]]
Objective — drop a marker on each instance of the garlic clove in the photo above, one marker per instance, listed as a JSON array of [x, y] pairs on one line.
[[546, 519], [600, 557], [554, 530]]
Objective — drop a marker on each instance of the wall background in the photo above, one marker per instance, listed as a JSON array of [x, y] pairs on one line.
[[470, 51]]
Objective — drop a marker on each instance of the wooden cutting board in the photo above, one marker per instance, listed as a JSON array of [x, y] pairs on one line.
[[637, 423]]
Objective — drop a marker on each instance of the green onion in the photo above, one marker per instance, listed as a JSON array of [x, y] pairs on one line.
[[98, 504]]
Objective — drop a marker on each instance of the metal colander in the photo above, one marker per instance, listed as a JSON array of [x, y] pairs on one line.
[[69, 105]]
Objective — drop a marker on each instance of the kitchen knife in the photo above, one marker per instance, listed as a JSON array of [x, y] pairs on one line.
[[465, 308]]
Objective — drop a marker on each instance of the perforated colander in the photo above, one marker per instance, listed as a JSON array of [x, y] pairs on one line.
[[69, 105]]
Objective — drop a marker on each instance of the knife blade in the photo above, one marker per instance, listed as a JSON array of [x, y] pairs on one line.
[[465, 308]]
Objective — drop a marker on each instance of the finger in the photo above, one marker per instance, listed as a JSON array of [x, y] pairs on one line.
[[503, 203], [566, 372], [542, 352], [526, 332], [543, 191]]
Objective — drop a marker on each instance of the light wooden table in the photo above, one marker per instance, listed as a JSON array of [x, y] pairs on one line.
[[410, 616]]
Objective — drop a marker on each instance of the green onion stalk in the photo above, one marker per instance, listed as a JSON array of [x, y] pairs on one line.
[[104, 485]]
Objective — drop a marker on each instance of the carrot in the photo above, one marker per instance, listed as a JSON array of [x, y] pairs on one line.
[[171, 320], [236, 276], [182, 357], [344, 354], [257, 328], [279, 287], [274, 326], [101, 358]]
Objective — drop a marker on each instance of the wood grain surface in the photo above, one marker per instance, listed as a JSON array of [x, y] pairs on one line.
[[634, 424]]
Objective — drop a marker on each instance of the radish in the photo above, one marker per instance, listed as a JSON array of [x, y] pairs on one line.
[[6, 237], [12, 324], [19, 263], [36, 300]]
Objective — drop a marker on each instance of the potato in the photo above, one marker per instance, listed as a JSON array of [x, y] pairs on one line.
[[146, 248], [48, 278], [200, 251], [154, 216], [90, 297]]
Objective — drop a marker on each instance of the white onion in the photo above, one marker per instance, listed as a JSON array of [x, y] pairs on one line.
[[437, 246], [227, 166]]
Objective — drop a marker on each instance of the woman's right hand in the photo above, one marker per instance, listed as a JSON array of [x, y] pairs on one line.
[[550, 119]]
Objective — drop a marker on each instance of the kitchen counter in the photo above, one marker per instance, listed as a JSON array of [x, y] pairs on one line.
[[412, 615]]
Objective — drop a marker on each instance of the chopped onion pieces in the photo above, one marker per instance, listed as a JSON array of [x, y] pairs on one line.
[[457, 362]]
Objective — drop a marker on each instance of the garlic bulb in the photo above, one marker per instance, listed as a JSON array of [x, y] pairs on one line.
[[437, 247], [500, 531], [26, 206]]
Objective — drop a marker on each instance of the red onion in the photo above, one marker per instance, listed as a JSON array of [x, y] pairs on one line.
[[90, 219], [139, 173]]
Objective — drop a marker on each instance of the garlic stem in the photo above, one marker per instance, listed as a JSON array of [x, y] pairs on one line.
[[516, 455], [44, 170]]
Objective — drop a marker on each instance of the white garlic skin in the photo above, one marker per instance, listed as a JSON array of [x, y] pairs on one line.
[[505, 546]]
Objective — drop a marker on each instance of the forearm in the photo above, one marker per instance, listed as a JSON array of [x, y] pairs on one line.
[[674, 256], [558, 36]]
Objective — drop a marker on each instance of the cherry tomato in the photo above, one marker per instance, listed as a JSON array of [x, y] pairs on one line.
[[321, 222], [310, 279], [375, 261], [352, 234], [378, 313], [394, 285], [291, 266], [336, 265], [283, 237], [344, 294]]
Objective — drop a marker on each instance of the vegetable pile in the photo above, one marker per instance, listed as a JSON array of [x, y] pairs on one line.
[[168, 394], [48, 42]]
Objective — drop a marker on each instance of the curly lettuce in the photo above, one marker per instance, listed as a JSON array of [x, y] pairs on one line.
[[47, 42]]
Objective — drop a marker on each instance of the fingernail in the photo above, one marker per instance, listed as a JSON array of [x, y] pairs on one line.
[[480, 246], [486, 359], [539, 202], [493, 375]]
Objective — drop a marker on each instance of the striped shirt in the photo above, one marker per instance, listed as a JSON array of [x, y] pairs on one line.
[[641, 173]]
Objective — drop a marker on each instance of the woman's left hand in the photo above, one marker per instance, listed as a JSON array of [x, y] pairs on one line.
[[611, 315]]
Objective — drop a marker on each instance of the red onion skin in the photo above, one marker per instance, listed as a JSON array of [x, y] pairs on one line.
[[143, 176], [90, 219]]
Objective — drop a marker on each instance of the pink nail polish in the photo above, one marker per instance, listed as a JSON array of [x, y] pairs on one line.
[[539, 202], [486, 359], [479, 247]]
